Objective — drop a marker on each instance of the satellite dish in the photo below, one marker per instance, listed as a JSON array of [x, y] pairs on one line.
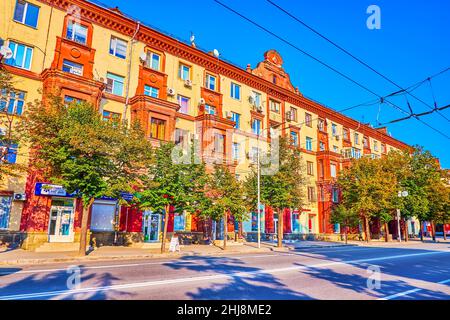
[[6, 52], [216, 53], [143, 57]]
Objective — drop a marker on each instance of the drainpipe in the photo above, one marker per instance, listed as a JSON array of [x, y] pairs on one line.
[[129, 72]]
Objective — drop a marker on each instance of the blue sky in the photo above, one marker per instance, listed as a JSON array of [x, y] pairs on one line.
[[412, 44]]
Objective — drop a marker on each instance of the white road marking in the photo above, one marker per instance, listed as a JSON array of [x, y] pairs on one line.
[[203, 278], [405, 293]]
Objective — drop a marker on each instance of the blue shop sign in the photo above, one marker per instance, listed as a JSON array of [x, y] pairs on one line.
[[46, 189]]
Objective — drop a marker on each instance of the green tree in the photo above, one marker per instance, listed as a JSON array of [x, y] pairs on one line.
[[439, 199], [282, 188], [226, 194], [83, 153], [347, 218]]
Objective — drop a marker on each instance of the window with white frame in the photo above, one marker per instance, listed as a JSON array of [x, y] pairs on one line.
[[210, 109], [184, 72], [236, 117], [13, 102], [153, 60], [151, 91], [76, 32], [114, 84], [256, 126], [294, 138], [334, 130], [235, 91], [308, 144], [356, 138], [236, 147], [333, 170], [72, 67], [26, 13], [184, 104], [22, 55], [210, 82], [375, 145], [274, 106], [256, 98], [118, 47]]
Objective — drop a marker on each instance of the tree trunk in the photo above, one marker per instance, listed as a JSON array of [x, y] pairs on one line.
[[225, 229], [421, 230], [443, 230], [166, 220], [433, 230], [280, 229], [405, 224], [386, 232], [346, 234], [367, 229], [84, 225]]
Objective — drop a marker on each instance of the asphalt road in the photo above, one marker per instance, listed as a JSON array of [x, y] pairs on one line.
[[419, 271]]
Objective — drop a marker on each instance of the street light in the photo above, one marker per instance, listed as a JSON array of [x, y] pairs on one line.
[[401, 194]]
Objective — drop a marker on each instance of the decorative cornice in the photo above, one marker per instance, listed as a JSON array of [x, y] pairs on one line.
[[115, 21]]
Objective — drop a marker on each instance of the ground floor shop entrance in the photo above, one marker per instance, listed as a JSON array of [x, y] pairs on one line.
[[151, 226], [60, 227]]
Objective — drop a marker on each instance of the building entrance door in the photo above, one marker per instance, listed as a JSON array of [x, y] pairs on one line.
[[60, 227], [151, 224]]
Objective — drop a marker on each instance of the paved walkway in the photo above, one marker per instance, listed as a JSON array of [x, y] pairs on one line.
[[23, 257]]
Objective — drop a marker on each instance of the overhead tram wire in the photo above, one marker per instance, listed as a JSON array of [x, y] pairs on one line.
[[323, 63], [355, 58]]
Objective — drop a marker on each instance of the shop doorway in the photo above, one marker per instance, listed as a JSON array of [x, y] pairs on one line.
[[60, 228], [151, 226], [311, 224]]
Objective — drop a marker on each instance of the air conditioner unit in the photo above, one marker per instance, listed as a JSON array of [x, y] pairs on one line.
[[202, 101], [259, 109], [337, 138], [228, 114], [188, 83], [289, 116], [171, 91], [251, 99], [20, 197]]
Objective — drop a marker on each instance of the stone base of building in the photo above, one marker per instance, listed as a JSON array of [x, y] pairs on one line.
[[33, 240], [11, 239], [253, 236]]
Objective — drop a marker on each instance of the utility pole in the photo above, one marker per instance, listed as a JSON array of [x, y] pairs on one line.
[[258, 220]]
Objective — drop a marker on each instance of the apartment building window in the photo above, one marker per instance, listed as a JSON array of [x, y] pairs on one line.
[[9, 152], [333, 170], [308, 144], [69, 99], [308, 119], [346, 134], [366, 142], [274, 79], [293, 114], [219, 143], [375, 145], [335, 195], [22, 55], [235, 91], [5, 211], [154, 61], [334, 130], [210, 82], [310, 168], [383, 148], [184, 104], [274, 106], [321, 125], [114, 84], [356, 137], [322, 146], [13, 102], [321, 169], [356, 153], [256, 126], [184, 72], [111, 116], [235, 150], [311, 194], [256, 98], [210, 109], [151, 91], [26, 13], [157, 129], [72, 67], [236, 117], [76, 32], [118, 47], [294, 138]]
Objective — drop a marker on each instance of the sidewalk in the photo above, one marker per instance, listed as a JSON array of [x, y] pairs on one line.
[[23, 257]]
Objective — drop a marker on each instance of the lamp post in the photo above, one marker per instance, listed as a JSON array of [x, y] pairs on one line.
[[401, 194]]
